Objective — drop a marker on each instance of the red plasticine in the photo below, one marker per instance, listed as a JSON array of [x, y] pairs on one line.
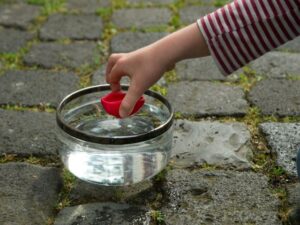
[[112, 101]]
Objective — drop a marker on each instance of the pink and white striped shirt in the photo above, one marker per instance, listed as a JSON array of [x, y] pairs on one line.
[[243, 30]]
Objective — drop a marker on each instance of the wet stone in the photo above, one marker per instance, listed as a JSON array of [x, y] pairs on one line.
[[49, 55], [28, 193], [18, 15], [26, 133], [76, 27], [87, 6], [277, 97], [36, 87], [152, 2], [191, 13], [213, 143], [103, 213], [221, 197], [88, 192], [141, 18], [291, 46], [284, 140], [129, 41], [12, 40], [201, 69], [201, 98], [277, 65]]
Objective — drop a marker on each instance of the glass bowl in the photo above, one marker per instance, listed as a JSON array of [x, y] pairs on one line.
[[102, 149]]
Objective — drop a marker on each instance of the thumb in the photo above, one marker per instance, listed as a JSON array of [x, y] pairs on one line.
[[129, 101]]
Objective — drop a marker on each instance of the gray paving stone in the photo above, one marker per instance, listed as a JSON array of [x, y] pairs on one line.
[[293, 191], [28, 193], [87, 6], [18, 15], [204, 197], [202, 98], [291, 46], [152, 2], [214, 143], [190, 14], [277, 65], [103, 213], [284, 140], [277, 97], [128, 41], [12, 40], [27, 133], [201, 69], [36, 87], [49, 55], [87, 192], [141, 18], [76, 27]]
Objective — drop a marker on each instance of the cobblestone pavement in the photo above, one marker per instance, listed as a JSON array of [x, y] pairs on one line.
[[235, 141]]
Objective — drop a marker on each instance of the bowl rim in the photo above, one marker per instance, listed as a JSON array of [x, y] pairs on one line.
[[112, 140]]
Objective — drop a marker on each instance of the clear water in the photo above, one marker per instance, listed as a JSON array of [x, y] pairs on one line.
[[116, 164]]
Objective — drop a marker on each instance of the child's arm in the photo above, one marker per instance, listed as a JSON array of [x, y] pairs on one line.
[[235, 34], [145, 66]]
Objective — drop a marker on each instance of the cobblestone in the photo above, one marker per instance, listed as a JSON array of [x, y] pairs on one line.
[[76, 27], [128, 41], [141, 18], [28, 193], [26, 133], [18, 15], [277, 97], [207, 99], [49, 55], [36, 87], [12, 40]]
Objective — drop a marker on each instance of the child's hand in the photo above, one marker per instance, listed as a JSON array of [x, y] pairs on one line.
[[144, 69]]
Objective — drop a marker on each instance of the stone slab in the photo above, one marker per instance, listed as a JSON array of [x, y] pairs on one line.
[[190, 14], [293, 191], [284, 140], [277, 65], [207, 99], [28, 193], [87, 6], [35, 87], [75, 27], [49, 55], [18, 15], [103, 213], [152, 2], [277, 97], [200, 70], [291, 46], [88, 192], [12, 40], [26, 133], [129, 41], [222, 144], [205, 197], [141, 18]]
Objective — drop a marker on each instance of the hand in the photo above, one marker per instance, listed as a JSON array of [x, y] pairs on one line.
[[143, 68]]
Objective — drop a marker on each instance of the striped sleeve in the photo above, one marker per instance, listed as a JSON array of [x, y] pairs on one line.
[[243, 30]]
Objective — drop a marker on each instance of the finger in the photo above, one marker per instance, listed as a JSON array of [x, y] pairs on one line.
[[129, 101], [170, 67], [111, 62]]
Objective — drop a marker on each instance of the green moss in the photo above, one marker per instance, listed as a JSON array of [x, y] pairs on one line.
[[159, 89], [49, 6], [220, 3], [105, 13], [119, 4], [171, 76], [157, 217], [69, 182]]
